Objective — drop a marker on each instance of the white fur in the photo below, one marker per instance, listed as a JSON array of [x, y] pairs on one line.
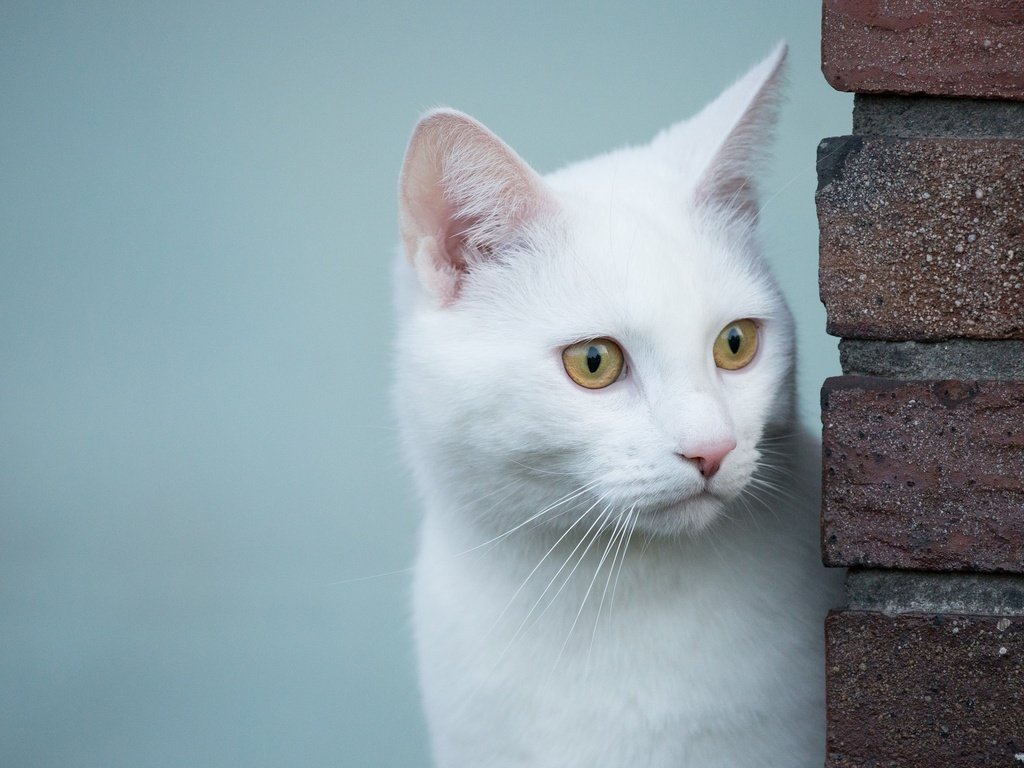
[[578, 600]]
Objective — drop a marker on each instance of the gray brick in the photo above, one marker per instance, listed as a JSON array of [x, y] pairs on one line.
[[925, 592], [954, 359], [934, 116]]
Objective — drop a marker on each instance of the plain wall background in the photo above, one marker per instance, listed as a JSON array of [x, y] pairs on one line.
[[197, 217]]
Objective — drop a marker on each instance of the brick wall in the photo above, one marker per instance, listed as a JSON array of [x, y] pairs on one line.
[[921, 214]]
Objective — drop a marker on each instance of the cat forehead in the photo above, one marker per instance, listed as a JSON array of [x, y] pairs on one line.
[[641, 240], [624, 273], [629, 183], [629, 201], [630, 251]]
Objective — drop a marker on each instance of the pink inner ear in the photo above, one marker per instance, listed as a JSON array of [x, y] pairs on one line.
[[436, 272], [457, 237], [464, 194]]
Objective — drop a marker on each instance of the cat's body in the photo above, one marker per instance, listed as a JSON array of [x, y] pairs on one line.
[[626, 574]]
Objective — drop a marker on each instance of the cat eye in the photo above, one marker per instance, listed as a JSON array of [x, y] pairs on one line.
[[593, 364], [736, 345]]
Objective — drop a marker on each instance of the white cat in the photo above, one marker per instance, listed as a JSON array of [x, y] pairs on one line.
[[619, 560]]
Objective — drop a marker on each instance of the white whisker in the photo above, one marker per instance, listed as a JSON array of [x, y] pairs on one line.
[[596, 528], [618, 534], [583, 603], [536, 568], [565, 499], [369, 577], [541, 471], [625, 551]]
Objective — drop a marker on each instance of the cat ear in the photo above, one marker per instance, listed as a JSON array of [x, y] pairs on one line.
[[463, 195], [723, 145]]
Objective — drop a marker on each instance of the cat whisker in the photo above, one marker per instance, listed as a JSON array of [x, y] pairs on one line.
[[647, 543], [529, 576], [370, 577], [617, 533], [770, 469], [537, 520], [764, 503], [805, 170], [767, 479], [775, 445], [765, 469], [592, 533], [775, 448], [776, 439], [775, 490], [483, 513], [572, 495], [751, 492], [410, 569], [742, 499], [590, 587], [539, 470], [618, 573], [783, 469]]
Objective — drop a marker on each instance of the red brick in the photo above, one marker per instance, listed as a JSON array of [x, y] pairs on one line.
[[922, 239], [923, 474], [937, 47], [920, 691]]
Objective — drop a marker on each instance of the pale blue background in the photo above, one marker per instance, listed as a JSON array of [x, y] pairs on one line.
[[197, 213]]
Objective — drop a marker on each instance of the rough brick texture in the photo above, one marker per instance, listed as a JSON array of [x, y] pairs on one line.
[[937, 47], [933, 116], [922, 239], [924, 691], [954, 359], [923, 474], [993, 594], [921, 216]]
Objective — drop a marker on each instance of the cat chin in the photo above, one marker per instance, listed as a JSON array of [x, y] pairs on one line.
[[687, 516]]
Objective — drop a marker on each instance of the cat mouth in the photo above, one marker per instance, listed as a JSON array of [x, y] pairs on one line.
[[683, 513], [679, 503]]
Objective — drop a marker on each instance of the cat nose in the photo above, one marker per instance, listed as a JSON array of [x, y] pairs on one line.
[[709, 457]]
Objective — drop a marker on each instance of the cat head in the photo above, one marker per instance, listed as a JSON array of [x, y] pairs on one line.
[[605, 337]]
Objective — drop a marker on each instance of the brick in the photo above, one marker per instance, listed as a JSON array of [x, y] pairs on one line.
[[920, 691], [924, 475], [994, 594], [933, 116], [953, 359], [922, 239], [937, 47]]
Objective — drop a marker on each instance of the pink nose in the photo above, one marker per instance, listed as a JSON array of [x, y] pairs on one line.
[[708, 458]]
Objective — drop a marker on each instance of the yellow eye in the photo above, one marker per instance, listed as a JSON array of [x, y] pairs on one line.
[[593, 364], [736, 345]]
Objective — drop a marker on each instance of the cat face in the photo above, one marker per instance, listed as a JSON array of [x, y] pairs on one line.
[[606, 340]]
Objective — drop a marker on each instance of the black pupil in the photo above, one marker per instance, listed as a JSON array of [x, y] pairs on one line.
[[734, 337], [593, 359]]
